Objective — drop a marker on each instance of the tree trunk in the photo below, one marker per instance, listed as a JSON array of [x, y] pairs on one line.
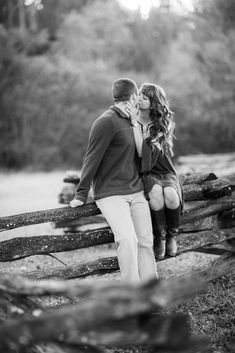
[[32, 15]]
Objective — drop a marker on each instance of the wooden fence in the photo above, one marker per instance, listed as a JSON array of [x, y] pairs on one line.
[[109, 313]]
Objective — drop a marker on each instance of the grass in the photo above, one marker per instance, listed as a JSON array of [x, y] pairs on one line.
[[212, 314]]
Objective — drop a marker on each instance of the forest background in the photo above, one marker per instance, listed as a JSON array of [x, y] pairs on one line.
[[58, 59]]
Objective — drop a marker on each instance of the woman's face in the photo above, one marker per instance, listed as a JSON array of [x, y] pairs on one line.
[[144, 102]]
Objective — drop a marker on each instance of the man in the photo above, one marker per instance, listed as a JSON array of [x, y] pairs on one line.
[[110, 165]]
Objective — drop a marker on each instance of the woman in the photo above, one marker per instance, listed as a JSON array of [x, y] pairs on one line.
[[153, 129]]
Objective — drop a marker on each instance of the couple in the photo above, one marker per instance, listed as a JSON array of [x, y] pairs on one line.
[[128, 162]]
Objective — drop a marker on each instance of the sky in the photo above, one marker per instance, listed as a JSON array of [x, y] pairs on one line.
[[145, 5]]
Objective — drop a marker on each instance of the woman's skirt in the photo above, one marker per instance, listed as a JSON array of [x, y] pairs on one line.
[[164, 180]]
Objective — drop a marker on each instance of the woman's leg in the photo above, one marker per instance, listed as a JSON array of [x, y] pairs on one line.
[[158, 220], [173, 218]]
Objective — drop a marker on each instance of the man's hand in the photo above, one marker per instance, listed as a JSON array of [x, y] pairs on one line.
[[76, 203]]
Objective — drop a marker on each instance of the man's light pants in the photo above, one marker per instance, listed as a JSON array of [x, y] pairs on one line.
[[130, 220]]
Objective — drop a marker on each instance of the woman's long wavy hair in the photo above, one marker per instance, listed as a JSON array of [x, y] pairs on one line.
[[161, 116]]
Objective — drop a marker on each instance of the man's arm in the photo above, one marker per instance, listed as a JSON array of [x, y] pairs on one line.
[[100, 137]]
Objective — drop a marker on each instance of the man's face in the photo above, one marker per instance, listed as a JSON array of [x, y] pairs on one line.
[[144, 102]]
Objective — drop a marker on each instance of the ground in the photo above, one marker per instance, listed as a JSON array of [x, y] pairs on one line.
[[211, 313]]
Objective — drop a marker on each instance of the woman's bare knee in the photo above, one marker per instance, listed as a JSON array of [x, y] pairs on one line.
[[171, 198], [156, 197]]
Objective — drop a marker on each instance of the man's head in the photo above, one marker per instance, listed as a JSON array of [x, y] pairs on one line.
[[124, 89]]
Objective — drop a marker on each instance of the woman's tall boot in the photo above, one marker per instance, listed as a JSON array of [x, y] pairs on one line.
[[173, 218], [159, 232]]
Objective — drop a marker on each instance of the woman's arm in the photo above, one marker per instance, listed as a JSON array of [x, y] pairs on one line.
[[133, 114], [138, 138]]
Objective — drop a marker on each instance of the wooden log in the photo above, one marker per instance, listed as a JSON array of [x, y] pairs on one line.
[[196, 178], [16, 284], [196, 345], [208, 189], [226, 219], [72, 176], [110, 264], [192, 241], [196, 187], [67, 193], [194, 226], [13, 306], [145, 330], [75, 224], [70, 180], [120, 315], [207, 209], [222, 266], [21, 247], [66, 347], [100, 266], [225, 247], [206, 223], [90, 209], [51, 215], [213, 251]]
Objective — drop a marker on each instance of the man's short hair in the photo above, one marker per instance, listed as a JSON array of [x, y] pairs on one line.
[[123, 88]]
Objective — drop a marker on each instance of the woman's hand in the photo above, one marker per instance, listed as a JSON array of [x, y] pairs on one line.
[[132, 110], [156, 142], [76, 203]]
